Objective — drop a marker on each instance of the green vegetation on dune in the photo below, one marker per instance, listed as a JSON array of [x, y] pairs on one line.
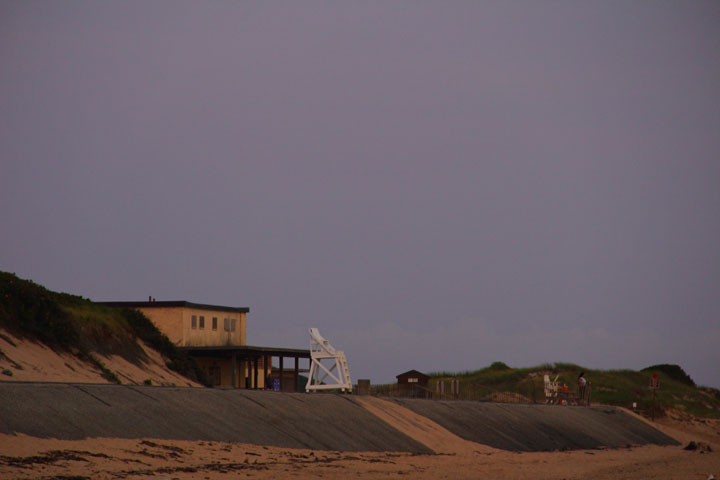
[[33, 311], [76, 325], [149, 333], [672, 371], [610, 387]]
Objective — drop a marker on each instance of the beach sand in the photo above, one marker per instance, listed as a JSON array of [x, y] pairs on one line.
[[25, 457]]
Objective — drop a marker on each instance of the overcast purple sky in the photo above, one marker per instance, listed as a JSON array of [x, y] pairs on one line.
[[434, 185]]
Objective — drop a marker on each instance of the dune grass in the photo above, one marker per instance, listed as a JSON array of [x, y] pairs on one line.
[[610, 387], [79, 326]]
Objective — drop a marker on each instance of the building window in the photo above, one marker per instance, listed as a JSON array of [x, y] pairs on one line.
[[214, 324], [202, 322], [412, 380], [193, 323], [230, 324]]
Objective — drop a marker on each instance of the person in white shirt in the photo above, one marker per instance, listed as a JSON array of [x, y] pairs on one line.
[[582, 383]]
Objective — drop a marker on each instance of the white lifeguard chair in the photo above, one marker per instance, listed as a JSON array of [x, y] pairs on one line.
[[328, 367]]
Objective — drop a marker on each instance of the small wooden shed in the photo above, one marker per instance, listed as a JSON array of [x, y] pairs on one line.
[[413, 384], [413, 377]]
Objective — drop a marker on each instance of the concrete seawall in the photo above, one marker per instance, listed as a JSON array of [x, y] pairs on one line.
[[529, 428], [323, 422], [76, 411]]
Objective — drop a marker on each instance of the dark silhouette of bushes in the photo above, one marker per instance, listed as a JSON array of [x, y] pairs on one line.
[[71, 323], [30, 310], [673, 371]]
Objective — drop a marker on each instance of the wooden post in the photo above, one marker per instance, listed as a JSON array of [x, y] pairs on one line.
[[255, 372], [234, 370], [653, 405], [296, 375], [241, 373], [654, 385], [267, 360], [533, 392], [281, 374]]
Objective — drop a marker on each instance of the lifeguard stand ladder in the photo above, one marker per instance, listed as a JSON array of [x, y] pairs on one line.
[[328, 367]]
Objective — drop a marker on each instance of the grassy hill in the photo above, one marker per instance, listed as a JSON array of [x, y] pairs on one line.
[[612, 387], [72, 324]]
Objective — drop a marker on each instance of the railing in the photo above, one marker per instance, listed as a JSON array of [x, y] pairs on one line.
[[526, 391], [411, 390]]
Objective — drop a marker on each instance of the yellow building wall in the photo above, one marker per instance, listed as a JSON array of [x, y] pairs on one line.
[[206, 336], [176, 323], [168, 320]]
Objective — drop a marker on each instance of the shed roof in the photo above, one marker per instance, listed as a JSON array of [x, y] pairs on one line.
[[413, 372], [175, 303]]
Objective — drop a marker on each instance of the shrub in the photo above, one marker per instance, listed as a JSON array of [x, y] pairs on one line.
[[179, 361], [110, 376], [498, 366], [31, 310], [673, 371]]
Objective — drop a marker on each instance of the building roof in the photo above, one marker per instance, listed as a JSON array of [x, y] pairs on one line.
[[175, 303], [247, 350], [413, 372]]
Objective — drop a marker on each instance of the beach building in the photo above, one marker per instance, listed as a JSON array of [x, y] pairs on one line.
[[216, 337], [413, 384]]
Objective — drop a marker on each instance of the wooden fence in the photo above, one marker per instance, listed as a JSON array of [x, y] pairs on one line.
[[526, 391]]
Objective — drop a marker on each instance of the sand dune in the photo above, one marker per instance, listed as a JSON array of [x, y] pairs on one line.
[[32, 361]]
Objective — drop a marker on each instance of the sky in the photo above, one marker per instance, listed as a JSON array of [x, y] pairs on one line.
[[433, 185]]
